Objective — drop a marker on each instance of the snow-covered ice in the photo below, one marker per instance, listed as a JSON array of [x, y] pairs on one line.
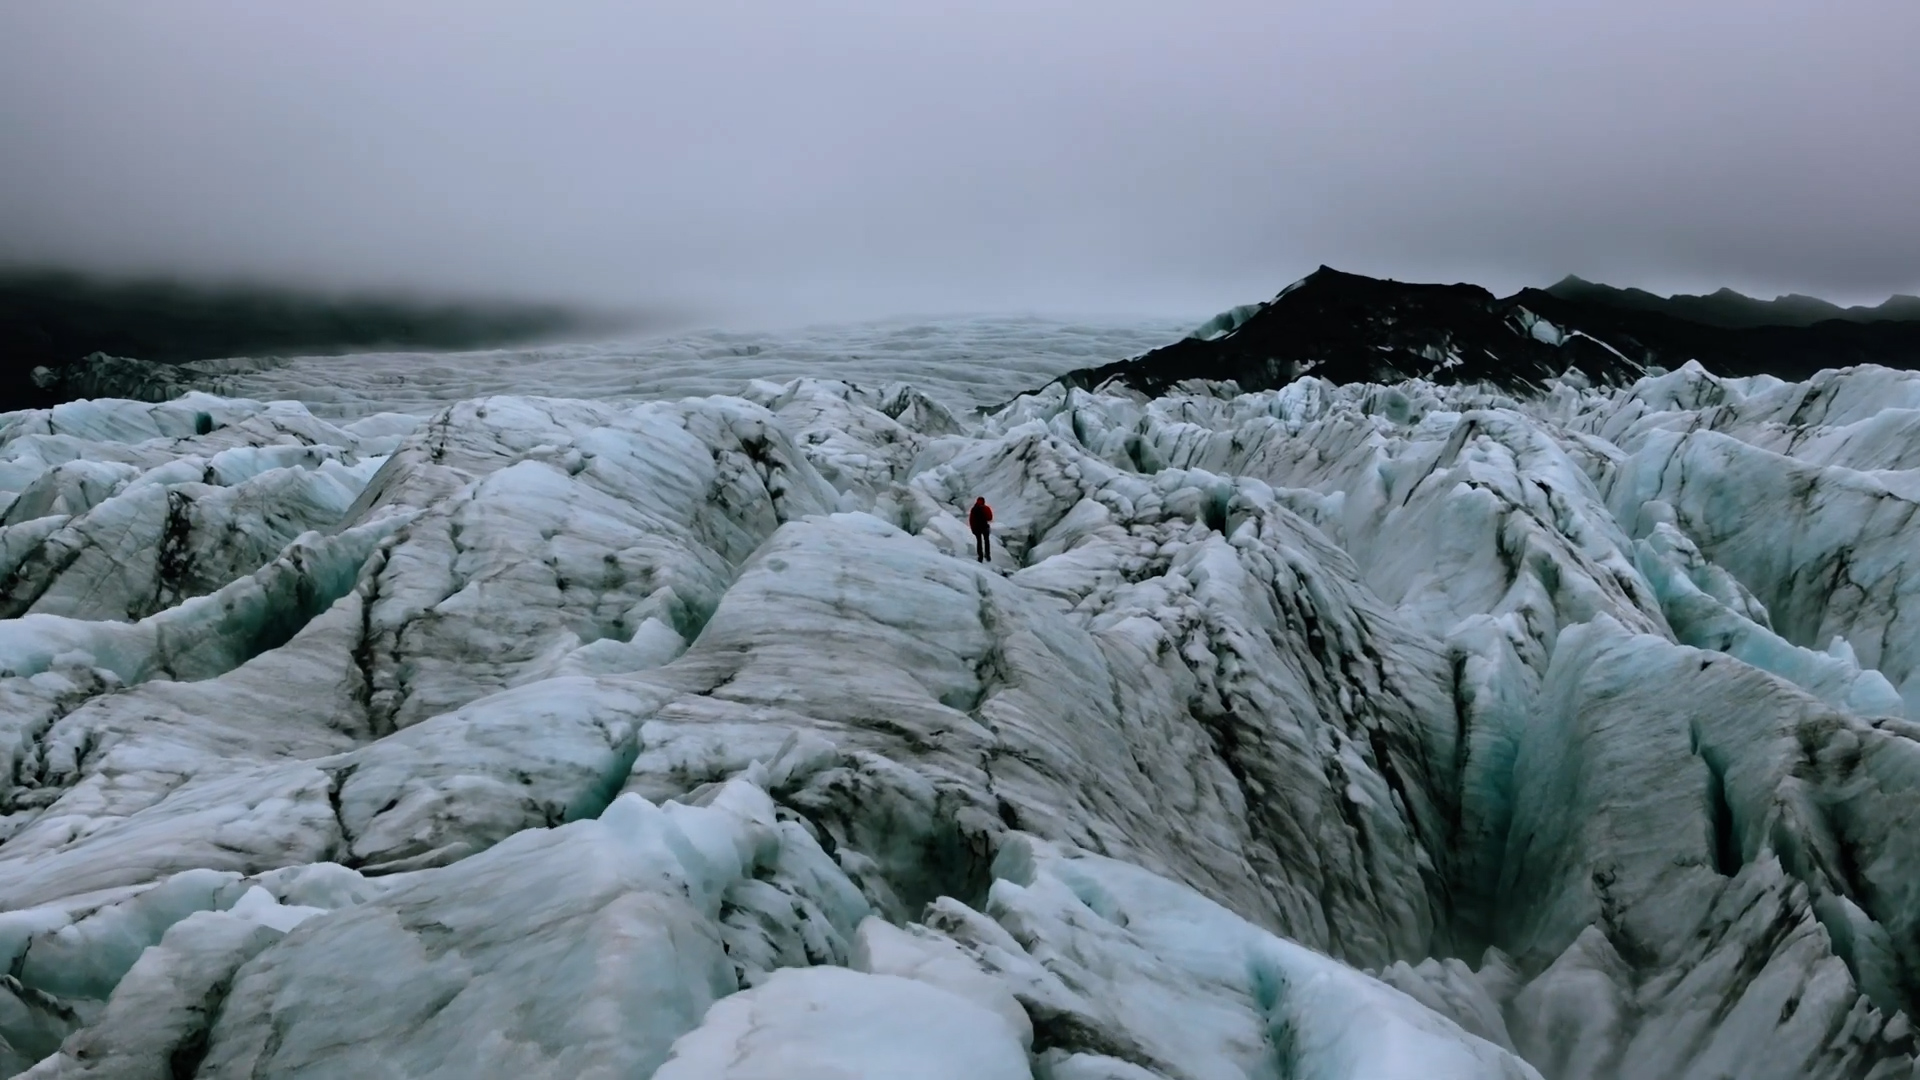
[[551, 723], [962, 362]]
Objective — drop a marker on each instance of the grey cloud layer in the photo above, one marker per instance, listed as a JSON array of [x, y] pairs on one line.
[[851, 158]]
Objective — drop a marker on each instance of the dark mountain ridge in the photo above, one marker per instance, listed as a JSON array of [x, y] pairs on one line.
[[1730, 309], [1350, 328], [53, 322]]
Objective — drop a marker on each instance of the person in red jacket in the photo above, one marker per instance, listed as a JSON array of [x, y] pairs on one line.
[[980, 518]]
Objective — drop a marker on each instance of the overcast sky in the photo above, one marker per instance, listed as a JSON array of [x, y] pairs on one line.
[[797, 159]]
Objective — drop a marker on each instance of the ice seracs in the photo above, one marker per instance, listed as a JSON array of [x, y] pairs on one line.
[[1328, 731]]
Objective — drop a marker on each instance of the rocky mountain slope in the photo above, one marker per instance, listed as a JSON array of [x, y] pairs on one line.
[[1330, 731], [1346, 328]]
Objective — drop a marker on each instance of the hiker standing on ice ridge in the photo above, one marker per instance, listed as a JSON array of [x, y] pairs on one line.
[[980, 518]]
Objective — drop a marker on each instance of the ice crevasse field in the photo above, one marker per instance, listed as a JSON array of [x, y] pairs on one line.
[[606, 713]]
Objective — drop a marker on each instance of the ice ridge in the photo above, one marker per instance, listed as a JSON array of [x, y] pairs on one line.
[[1362, 731]]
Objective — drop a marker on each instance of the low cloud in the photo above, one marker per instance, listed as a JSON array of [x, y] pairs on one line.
[[765, 161]]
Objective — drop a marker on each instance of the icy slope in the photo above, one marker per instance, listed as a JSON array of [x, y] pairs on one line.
[[1361, 732]]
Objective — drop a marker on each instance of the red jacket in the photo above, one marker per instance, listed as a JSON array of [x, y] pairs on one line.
[[980, 516]]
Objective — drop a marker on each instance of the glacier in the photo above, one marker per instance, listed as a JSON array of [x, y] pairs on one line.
[[1320, 732]]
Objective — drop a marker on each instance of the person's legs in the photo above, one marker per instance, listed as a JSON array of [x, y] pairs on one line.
[[981, 549]]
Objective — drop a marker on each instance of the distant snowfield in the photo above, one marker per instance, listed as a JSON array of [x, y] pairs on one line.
[[962, 362], [585, 713]]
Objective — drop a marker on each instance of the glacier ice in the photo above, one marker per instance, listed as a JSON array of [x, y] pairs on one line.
[[1324, 732], [963, 362]]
